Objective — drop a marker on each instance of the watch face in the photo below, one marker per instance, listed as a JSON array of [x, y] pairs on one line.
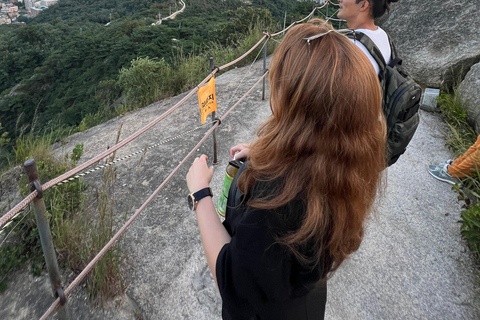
[[190, 201]]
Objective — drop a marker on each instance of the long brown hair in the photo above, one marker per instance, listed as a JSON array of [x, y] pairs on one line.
[[325, 141]]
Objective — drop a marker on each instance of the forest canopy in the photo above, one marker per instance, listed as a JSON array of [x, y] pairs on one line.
[[64, 65]]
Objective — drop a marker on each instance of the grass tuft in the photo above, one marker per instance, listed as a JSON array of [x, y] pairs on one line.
[[81, 224], [471, 228], [460, 138], [462, 135]]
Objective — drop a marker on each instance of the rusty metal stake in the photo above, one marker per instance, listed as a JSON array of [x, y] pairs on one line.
[[215, 160], [46, 237]]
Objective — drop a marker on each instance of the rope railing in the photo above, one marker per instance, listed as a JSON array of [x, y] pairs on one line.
[[133, 154], [107, 164], [67, 176], [243, 77], [10, 214], [15, 210], [299, 21], [243, 97], [333, 19], [333, 3], [308, 17], [244, 55], [114, 239]]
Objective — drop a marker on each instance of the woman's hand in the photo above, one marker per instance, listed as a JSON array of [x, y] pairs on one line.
[[199, 175], [240, 151]]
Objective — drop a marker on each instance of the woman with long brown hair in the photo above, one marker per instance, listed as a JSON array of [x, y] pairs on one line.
[[296, 209]]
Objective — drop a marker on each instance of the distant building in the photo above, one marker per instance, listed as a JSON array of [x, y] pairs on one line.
[[34, 12], [48, 3], [13, 12], [8, 13], [4, 19], [12, 8], [29, 4]]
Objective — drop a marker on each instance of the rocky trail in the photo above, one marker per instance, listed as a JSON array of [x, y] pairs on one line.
[[412, 263]]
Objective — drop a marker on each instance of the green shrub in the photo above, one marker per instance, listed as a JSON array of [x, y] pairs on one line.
[[462, 135], [188, 72], [80, 238], [471, 228], [91, 120], [61, 203], [106, 93], [225, 54], [145, 81], [76, 153], [148, 80], [4, 151], [221, 54], [30, 146], [4, 140], [78, 231], [452, 109], [459, 139], [246, 43]]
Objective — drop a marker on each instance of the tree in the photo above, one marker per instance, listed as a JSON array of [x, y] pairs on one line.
[[145, 81], [4, 140]]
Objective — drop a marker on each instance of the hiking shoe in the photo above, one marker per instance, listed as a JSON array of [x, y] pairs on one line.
[[441, 173], [438, 166]]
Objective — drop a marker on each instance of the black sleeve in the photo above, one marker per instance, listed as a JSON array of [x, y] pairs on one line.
[[252, 266]]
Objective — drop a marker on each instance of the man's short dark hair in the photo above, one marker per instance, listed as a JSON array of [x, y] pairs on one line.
[[378, 6]]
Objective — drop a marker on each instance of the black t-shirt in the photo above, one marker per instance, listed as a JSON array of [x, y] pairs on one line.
[[257, 277]]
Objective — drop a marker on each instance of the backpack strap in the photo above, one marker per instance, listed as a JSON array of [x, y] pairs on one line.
[[371, 48], [395, 60], [374, 51]]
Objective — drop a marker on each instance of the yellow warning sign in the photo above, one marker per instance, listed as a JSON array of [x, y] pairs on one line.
[[207, 99]]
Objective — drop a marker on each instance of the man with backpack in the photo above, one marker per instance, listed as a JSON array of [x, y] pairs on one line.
[[360, 15], [401, 95]]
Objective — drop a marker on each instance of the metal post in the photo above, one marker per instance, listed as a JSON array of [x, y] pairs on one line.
[[264, 65], [215, 160], [326, 16], [46, 237], [284, 21]]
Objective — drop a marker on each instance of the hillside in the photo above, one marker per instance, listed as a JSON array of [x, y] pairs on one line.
[[63, 66], [412, 264]]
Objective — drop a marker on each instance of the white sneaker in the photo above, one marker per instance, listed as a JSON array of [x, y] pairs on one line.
[[440, 173], [438, 166]]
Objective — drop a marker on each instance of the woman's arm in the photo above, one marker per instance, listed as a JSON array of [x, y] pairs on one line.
[[213, 233]]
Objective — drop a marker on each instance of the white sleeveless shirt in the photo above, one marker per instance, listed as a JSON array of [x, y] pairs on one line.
[[380, 38]]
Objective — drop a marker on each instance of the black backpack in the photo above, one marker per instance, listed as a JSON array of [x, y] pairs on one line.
[[401, 98]]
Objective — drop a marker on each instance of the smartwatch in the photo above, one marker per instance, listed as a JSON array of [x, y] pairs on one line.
[[193, 198]]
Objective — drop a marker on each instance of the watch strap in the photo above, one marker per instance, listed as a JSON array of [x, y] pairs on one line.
[[202, 193]]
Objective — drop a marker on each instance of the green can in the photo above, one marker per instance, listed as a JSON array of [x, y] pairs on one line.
[[231, 171]]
